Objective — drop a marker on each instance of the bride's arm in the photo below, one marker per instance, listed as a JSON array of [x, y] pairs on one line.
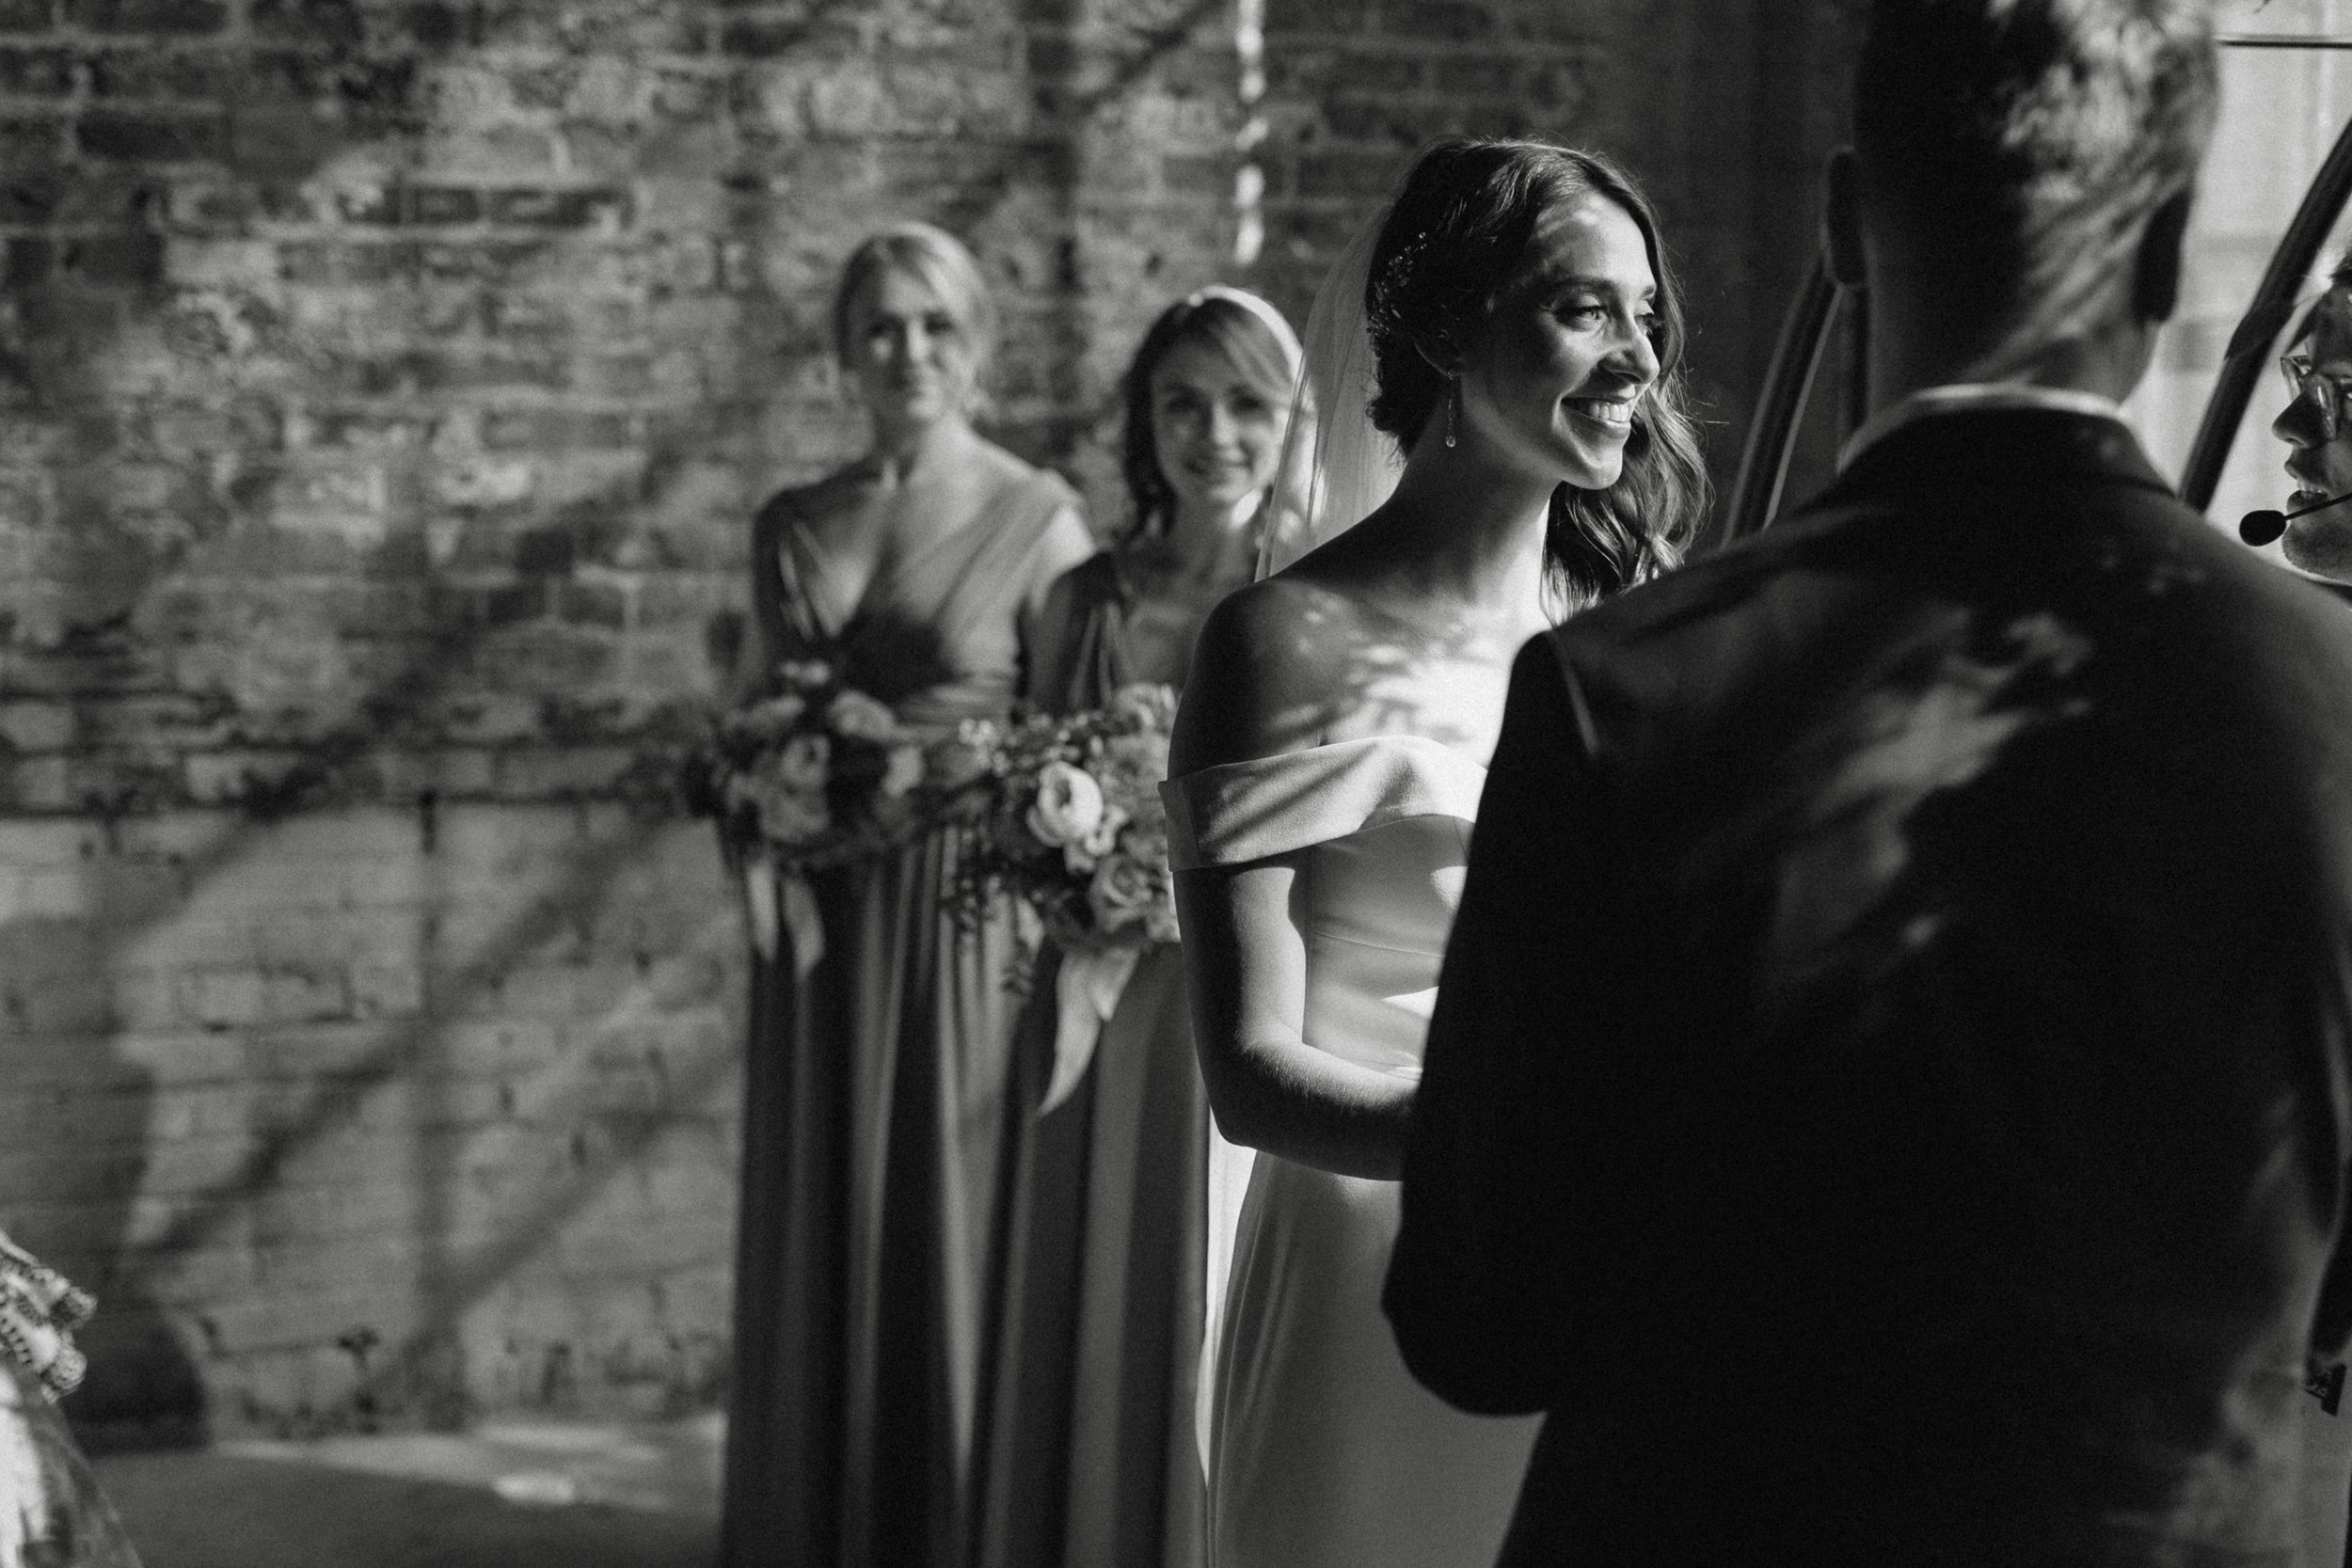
[[1258, 689]]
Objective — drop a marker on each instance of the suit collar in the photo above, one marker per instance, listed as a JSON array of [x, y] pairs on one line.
[[1999, 447], [1970, 397]]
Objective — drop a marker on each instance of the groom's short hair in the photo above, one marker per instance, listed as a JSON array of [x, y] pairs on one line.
[[2026, 140]]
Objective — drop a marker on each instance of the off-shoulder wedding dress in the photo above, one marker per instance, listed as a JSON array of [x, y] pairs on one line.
[[1323, 1451]]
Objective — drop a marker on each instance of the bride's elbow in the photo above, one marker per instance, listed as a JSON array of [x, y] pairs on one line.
[[1238, 1120]]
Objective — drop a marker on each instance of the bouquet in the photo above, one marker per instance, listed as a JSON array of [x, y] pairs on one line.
[[816, 774], [1068, 818], [1071, 821]]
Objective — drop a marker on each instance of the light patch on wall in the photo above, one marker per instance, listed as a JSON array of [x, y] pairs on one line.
[[1250, 180]]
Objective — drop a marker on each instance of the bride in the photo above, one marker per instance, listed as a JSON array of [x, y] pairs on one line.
[[1521, 335]]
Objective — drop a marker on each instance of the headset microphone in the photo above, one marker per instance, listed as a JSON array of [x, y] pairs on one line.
[[2261, 527]]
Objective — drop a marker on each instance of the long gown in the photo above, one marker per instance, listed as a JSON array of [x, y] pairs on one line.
[[1092, 1460], [880, 1120], [1323, 1452]]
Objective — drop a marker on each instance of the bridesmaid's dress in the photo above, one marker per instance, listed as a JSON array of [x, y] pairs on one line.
[[881, 1121]]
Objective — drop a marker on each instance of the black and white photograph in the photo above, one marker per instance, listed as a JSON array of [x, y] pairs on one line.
[[1175, 783]]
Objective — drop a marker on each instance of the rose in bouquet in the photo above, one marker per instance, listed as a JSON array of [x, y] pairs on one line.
[[1069, 818], [1065, 813], [815, 774], [812, 774]]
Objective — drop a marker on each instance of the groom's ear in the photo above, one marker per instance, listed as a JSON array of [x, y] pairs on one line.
[[2156, 271]]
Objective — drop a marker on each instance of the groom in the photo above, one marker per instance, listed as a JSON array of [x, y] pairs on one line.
[[1890, 1098]]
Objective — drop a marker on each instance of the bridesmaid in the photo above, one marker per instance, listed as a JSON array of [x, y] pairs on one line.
[[879, 1104], [1093, 1458]]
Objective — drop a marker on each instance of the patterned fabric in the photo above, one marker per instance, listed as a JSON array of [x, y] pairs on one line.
[[40, 1308], [52, 1514]]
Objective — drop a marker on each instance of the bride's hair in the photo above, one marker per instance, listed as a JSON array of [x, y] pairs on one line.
[[1453, 244]]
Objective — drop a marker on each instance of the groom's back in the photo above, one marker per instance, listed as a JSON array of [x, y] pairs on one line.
[[1984, 844]]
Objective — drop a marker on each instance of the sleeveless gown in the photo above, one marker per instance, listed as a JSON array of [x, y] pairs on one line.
[[1322, 1450], [879, 1116]]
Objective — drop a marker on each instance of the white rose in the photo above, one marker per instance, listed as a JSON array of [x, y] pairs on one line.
[[805, 674], [1069, 805], [1101, 838], [1081, 853]]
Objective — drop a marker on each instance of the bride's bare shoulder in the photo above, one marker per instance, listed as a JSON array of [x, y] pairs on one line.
[[1268, 673]]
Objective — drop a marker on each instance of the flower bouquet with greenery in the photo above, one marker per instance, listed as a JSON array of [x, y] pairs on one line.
[[815, 774], [812, 775], [1065, 813]]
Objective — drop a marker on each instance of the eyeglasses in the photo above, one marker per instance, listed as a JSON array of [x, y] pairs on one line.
[[2296, 366]]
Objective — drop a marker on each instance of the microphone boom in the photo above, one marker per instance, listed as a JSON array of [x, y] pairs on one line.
[[2260, 527]]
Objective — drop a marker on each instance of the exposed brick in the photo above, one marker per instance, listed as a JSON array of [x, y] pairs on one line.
[[113, 258], [273, 142], [153, 139], [596, 604], [325, 21], [555, 209], [756, 40], [149, 73], [443, 204], [36, 72], [29, 261], [335, 262], [27, 143], [147, 16], [408, 369], [1325, 17], [557, 429]]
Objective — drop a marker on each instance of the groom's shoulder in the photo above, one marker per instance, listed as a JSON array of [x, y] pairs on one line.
[[1781, 583]]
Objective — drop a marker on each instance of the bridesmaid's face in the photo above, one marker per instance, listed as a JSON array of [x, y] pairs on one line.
[[908, 352], [1568, 351], [1216, 432]]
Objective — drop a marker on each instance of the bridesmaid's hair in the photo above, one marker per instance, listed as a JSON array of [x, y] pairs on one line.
[[1234, 330], [1454, 241], [934, 258]]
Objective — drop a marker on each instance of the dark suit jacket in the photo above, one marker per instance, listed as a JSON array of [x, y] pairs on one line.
[[1887, 1097]]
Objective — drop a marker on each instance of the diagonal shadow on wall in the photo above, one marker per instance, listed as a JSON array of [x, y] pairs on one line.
[[96, 660]]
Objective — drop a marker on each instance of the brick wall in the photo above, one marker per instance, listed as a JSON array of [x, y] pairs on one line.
[[385, 387]]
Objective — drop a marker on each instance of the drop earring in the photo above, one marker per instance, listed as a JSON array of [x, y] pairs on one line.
[[1452, 389]]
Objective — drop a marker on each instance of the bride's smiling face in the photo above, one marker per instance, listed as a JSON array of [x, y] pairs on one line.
[[1567, 350]]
